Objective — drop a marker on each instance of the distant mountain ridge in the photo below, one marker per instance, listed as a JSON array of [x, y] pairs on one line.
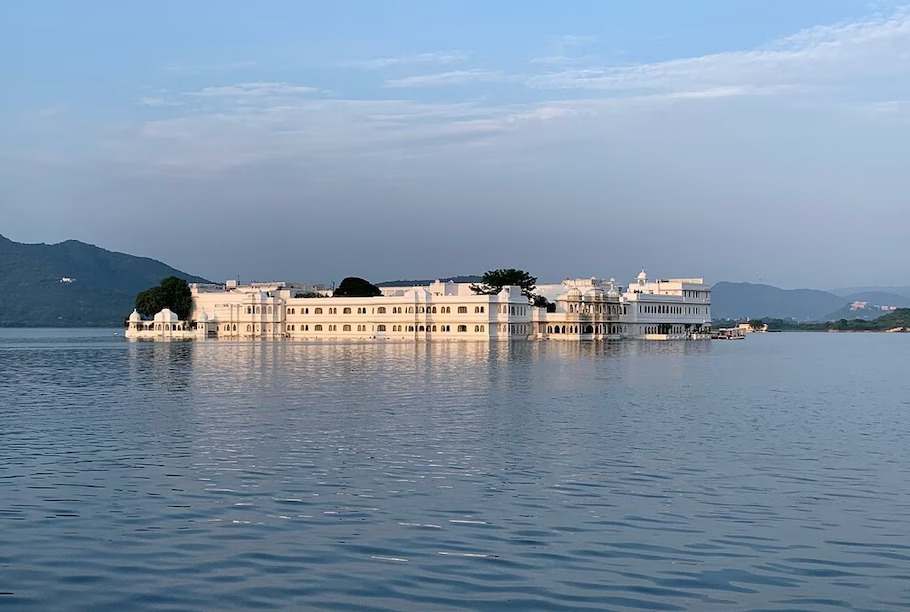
[[732, 300], [750, 300], [853, 291], [470, 278], [73, 284]]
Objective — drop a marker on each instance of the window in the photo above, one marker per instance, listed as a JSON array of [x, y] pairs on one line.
[[318, 311], [345, 328], [317, 327], [381, 310], [346, 310], [462, 310], [462, 328], [478, 309], [380, 328], [434, 310]]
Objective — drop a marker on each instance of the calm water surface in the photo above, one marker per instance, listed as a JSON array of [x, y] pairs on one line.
[[766, 474]]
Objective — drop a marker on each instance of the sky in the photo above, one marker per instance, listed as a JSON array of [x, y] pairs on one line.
[[764, 141]]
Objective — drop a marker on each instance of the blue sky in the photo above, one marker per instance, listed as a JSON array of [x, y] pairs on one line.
[[763, 141]]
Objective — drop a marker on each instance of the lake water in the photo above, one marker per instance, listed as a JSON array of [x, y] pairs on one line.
[[766, 474]]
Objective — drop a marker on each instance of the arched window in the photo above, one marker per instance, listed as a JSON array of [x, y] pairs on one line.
[[462, 310], [346, 310], [345, 328], [420, 328], [380, 328], [462, 328], [317, 328], [434, 310], [381, 310], [410, 328], [317, 310]]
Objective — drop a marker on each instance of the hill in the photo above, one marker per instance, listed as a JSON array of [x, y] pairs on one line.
[[72, 284], [755, 301], [895, 320], [850, 291], [412, 283]]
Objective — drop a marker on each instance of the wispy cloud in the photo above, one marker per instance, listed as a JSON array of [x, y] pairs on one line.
[[227, 125], [818, 56], [445, 79], [255, 90], [432, 58]]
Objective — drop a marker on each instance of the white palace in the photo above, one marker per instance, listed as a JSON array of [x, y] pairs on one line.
[[585, 309]]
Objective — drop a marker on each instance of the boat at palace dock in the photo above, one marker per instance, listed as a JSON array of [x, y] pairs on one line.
[[579, 309]]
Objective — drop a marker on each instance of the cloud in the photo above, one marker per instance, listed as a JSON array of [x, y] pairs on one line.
[[445, 79], [435, 57], [254, 90], [816, 57]]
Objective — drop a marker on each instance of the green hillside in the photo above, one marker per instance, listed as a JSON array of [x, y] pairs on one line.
[[896, 318], [101, 293]]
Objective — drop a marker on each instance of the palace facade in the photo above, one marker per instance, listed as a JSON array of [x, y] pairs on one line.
[[580, 309]]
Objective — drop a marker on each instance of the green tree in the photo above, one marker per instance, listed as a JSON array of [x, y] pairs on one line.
[[494, 280], [150, 302], [353, 286], [172, 293]]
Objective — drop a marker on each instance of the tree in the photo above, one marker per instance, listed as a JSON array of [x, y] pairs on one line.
[[353, 286], [494, 280], [150, 302], [542, 302], [172, 293], [756, 324]]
